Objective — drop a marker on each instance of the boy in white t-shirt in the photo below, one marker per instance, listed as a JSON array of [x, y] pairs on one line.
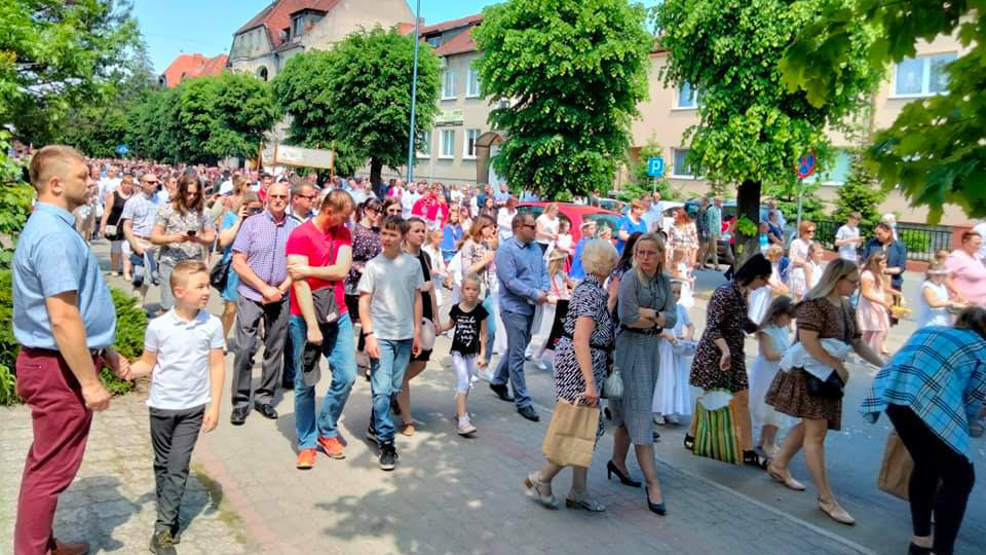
[[390, 312], [183, 353]]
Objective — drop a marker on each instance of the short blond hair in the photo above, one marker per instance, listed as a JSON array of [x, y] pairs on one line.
[[179, 276], [599, 257], [50, 160]]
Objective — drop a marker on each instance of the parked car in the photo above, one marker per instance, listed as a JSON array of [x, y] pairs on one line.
[[575, 214], [610, 204]]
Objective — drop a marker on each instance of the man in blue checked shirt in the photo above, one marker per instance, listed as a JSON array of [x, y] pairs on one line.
[[524, 284]]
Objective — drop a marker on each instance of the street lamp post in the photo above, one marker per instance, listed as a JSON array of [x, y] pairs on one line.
[[414, 95]]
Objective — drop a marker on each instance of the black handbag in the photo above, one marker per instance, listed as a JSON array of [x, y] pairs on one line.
[[832, 387], [828, 389], [324, 299], [219, 274]]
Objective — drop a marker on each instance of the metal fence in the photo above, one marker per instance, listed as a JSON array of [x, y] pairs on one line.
[[922, 240]]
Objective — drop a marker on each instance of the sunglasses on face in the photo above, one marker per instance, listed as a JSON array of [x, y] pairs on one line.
[[278, 196]]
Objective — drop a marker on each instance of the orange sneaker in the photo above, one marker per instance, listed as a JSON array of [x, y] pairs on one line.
[[332, 447], [306, 459]]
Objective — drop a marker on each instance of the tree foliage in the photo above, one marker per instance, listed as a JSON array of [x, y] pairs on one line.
[[936, 149], [575, 71], [56, 57], [752, 126], [860, 193], [640, 183], [203, 120], [356, 97]]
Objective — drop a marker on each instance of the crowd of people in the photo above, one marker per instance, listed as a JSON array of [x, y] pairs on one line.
[[369, 279]]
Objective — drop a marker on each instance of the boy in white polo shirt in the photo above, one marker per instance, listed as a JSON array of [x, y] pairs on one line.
[[183, 353]]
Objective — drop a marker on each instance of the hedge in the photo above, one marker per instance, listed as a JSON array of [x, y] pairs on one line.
[[131, 321]]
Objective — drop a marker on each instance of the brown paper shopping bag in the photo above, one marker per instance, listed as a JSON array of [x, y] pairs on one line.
[[895, 472], [571, 434]]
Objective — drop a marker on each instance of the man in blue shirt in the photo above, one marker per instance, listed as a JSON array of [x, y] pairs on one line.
[[65, 321], [523, 285]]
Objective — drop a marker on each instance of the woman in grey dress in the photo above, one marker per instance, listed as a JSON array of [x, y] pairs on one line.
[[646, 306], [581, 364]]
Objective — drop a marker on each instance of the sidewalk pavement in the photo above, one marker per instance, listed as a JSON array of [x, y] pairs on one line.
[[448, 494]]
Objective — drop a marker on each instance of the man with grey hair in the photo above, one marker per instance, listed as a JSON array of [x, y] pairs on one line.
[[260, 261]]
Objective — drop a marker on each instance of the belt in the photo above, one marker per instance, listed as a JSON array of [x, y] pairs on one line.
[[96, 353], [643, 331], [606, 348]]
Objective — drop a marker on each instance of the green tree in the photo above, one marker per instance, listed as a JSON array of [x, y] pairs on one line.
[[752, 126], [860, 193], [356, 97], [575, 70], [55, 57], [203, 120], [640, 183], [935, 150], [101, 124]]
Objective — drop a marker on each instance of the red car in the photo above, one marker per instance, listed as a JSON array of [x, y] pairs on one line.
[[575, 214]]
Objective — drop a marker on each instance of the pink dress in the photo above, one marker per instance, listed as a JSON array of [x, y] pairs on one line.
[[871, 316]]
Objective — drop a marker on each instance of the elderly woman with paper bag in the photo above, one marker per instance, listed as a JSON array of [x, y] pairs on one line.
[[581, 364]]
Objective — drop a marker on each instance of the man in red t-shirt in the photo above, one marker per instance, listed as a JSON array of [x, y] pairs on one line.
[[320, 254]]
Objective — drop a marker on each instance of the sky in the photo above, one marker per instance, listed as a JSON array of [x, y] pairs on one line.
[[173, 27]]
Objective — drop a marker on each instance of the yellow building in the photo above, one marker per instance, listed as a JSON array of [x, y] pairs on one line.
[[670, 111]]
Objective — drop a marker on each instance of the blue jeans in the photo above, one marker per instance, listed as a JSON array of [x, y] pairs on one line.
[[518, 329], [386, 380], [490, 326], [339, 348]]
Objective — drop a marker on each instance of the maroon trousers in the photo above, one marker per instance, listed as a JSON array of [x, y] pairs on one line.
[[61, 427]]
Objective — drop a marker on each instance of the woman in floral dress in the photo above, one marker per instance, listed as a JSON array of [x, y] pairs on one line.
[[720, 363]]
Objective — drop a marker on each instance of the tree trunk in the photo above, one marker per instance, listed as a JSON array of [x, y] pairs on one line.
[[747, 204], [376, 168]]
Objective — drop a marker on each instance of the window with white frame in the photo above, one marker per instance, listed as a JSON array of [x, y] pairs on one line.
[[425, 145], [448, 84], [447, 144], [472, 83], [686, 98], [837, 172], [922, 76], [469, 147], [681, 168]]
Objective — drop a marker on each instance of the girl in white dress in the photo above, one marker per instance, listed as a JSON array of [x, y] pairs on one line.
[[680, 271], [933, 303], [798, 253], [760, 298], [813, 272], [774, 336], [671, 394], [545, 321]]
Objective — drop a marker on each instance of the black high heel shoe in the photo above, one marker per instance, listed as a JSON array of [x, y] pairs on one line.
[[624, 479], [655, 507]]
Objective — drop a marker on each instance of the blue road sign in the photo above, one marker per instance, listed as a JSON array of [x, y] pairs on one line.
[[655, 166], [806, 165], [122, 150]]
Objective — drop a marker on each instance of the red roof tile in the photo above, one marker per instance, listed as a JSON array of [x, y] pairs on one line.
[[459, 44], [187, 66], [277, 16], [453, 24]]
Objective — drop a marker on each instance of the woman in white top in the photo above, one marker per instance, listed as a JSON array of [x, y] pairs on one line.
[[547, 226], [760, 299], [933, 303], [797, 280]]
